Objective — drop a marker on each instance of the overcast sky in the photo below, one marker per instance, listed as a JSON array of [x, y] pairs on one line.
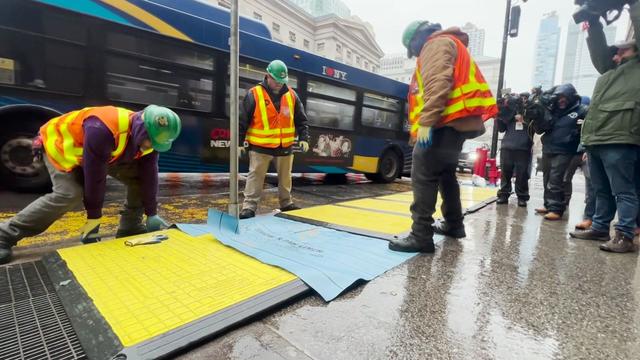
[[389, 19]]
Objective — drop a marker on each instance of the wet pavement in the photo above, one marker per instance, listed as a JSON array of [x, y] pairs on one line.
[[516, 288]]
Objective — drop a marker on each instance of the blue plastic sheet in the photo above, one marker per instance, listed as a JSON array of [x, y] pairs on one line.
[[329, 261]]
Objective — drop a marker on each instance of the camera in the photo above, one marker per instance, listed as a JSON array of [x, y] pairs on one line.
[[510, 105], [609, 10], [539, 105]]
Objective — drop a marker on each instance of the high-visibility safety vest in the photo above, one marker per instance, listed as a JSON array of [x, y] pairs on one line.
[[63, 136], [271, 128], [470, 95]]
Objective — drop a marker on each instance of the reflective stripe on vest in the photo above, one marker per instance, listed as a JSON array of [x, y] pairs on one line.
[[269, 127], [470, 96], [63, 136]]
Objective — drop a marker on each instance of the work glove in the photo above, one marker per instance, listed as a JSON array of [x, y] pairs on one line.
[[89, 232], [423, 139], [304, 146], [155, 223], [37, 149]]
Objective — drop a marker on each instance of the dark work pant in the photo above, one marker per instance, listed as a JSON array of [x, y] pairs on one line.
[[518, 163], [554, 168], [576, 162], [612, 175], [434, 168]]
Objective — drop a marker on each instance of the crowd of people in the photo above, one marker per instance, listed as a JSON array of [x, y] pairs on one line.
[[599, 135]]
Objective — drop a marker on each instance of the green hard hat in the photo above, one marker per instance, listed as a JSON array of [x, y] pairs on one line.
[[163, 126], [409, 31], [278, 71]]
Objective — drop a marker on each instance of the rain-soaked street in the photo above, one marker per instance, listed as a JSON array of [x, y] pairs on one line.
[[515, 288]]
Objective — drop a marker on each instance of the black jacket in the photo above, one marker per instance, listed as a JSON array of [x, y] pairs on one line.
[[562, 131], [246, 116], [514, 139]]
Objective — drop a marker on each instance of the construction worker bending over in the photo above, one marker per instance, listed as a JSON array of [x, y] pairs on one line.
[[448, 101], [81, 148], [271, 116]]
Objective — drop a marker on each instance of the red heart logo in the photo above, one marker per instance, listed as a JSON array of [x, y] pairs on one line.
[[330, 71]]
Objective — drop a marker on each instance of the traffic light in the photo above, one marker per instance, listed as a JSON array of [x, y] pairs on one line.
[[514, 21]]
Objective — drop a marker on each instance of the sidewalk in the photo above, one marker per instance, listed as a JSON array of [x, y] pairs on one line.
[[516, 288]]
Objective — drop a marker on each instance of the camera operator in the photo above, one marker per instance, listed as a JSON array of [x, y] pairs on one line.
[[561, 129], [611, 135], [515, 150]]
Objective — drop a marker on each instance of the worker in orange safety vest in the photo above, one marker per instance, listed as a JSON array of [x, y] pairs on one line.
[[271, 117], [449, 100]]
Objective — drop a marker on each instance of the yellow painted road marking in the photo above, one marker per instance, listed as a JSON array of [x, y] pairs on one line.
[[163, 286]]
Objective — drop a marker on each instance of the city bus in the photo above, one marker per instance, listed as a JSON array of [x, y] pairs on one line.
[[61, 55]]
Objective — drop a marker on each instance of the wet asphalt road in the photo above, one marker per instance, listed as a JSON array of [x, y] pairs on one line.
[[516, 288]]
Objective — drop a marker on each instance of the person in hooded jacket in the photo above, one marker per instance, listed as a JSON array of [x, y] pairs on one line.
[[560, 141]]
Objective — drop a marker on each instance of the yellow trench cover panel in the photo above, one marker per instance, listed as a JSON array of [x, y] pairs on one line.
[[147, 290], [369, 214]]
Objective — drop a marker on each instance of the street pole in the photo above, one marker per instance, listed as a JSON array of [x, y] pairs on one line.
[[503, 58], [233, 112]]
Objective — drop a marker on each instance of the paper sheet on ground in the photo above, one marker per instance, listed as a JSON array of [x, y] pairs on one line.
[[329, 261]]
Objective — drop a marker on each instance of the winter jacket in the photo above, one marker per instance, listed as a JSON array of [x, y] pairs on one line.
[[437, 60], [516, 137], [246, 117], [614, 113], [562, 132]]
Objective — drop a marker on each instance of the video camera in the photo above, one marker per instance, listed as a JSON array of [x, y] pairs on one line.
[[539, 105], [510, 105], [609, 10]]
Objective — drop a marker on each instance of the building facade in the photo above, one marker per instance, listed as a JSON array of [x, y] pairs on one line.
[[345, 39], [546, 51], [476, 39], [319, 8], [578, 68]]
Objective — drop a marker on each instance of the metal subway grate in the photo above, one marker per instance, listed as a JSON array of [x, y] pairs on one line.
[[33, 323]]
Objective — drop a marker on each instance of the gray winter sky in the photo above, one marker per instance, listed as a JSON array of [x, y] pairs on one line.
[[389, 19]]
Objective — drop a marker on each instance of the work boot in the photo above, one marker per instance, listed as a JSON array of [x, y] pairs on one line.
[[5, 253], [619, 244], [131, 222], [412, 244], [522, 203], [584, 224], [502, 200], [542, 210], [590, 234], [289, 207], [443, 228], [552, 216], [247, 213]]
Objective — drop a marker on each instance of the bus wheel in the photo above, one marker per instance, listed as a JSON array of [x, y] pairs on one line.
[[18, 171], [388, 169]]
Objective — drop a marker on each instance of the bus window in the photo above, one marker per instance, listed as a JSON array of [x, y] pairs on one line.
[[31, 18], [147, 83], [380, 119], [317, 87], [138, 43], [381, 112], [381, 102], [331, 114], [35, 62]]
